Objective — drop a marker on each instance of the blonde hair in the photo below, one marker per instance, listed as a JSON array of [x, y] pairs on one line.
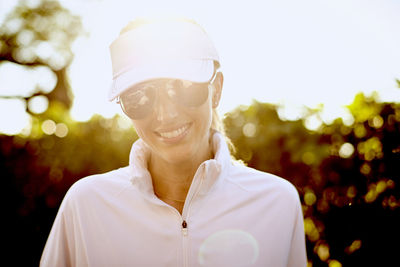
[[218, 125]]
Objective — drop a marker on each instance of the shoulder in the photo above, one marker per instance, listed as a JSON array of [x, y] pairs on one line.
[[253, 180], [99, 186]]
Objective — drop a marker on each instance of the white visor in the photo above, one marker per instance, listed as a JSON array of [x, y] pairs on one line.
[[169, 49]]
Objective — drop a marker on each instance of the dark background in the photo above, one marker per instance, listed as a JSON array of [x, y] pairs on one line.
[[350, 198]]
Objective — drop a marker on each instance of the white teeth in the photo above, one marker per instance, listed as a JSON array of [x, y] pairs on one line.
[[174, 133]]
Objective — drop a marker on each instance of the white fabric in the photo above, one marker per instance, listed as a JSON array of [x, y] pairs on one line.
[[236, 216], [171, 49]]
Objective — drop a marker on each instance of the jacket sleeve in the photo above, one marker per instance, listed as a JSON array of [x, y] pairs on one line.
[[66, 244], [297, 254], [57, 251]]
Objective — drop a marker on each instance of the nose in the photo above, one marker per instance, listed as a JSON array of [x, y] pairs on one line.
[[164, 107]]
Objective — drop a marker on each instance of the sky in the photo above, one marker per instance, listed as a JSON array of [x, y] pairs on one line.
[[286, 52]]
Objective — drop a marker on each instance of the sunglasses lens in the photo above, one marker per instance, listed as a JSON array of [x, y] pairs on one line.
[[189, 94], [138, 103]]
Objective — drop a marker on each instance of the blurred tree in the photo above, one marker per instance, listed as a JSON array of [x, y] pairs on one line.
[[39, 34], [346, 175], [35, 48], [38, 170]]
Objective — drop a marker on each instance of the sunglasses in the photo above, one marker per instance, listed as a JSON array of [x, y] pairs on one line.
[[138, 101]]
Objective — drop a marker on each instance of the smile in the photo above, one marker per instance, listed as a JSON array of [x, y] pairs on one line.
[[174, 133]]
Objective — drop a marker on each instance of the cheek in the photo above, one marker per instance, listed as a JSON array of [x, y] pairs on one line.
[[140, 128], [204, 116]]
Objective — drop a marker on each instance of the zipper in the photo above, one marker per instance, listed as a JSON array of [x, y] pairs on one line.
[[184, 244], [184, 228], [184, 217]]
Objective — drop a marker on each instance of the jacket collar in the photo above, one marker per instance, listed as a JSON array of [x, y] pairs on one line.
[[211, 175]]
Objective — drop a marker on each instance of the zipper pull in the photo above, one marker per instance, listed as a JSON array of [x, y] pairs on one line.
[[184, 228]]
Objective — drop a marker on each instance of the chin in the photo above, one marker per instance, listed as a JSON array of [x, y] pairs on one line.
[[178, 155], [187, 147]]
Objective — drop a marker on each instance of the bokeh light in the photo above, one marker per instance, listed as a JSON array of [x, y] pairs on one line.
[[38, 104], [322, 250], [16, 79], [20, 80], [14, 118], [334, 263], [45, 78], [61, 130], [339, 149], [49, 127], [249, 129], [355, 245], [346, 150], [309, 197], [313, 122], [311, 230]]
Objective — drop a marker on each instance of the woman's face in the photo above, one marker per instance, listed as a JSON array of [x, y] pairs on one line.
[[175, 132]]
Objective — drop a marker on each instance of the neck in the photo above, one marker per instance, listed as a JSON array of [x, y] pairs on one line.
[[172, 181]]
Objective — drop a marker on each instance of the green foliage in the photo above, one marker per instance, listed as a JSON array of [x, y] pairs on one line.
[[364, 108], [63, 150], [347, 181], [347, 176], [38, 168]]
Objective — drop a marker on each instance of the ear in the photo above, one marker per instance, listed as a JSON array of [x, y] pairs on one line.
[[217, 85]]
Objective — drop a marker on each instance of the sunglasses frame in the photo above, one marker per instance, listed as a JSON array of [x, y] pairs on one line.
[[211, 81]]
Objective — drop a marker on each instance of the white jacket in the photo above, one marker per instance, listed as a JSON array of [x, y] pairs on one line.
[[233, 216]]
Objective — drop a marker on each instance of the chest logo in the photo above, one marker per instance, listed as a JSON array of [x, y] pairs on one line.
[[231, 247]]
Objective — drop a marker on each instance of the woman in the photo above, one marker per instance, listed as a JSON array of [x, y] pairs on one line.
[[182, 201]]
